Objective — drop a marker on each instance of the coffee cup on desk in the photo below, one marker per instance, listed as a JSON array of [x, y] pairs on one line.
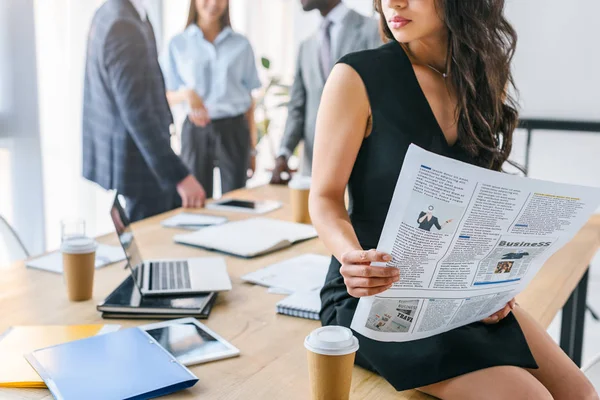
[[331, 352], [299, 191], [79, 257]]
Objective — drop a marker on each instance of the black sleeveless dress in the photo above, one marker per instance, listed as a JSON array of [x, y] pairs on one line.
[[401, 116]]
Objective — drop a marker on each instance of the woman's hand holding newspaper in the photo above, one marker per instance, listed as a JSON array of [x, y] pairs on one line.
[[361, 278], [500, 315]]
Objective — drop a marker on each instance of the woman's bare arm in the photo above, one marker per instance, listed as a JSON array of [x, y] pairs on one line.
[[341, 126]]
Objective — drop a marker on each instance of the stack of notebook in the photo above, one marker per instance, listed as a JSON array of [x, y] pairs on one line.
[[301, 277], [301, 305], [126, 302]]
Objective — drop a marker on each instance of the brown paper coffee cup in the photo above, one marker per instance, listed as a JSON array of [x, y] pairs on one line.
[[299, 193], [79, 256], [331, 352], [330, 376]]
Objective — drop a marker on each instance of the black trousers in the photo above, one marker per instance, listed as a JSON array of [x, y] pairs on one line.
[[141, 207], [224, 143]]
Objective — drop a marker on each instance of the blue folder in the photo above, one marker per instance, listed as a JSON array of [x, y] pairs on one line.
[[127, 364]]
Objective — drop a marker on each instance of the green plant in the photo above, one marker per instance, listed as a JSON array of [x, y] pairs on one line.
[[273, 96]]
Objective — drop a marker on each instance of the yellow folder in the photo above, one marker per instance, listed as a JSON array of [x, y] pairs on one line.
[[15, 371]]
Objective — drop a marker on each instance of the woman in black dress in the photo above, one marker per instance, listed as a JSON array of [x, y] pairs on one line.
[[440, 82]]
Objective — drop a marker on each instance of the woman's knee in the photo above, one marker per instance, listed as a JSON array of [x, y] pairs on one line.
[[584, 392], [496, 383]]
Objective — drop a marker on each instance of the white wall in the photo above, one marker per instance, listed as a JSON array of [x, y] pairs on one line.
[[19, 129], [62, 27], [557, 71], [557, 64]]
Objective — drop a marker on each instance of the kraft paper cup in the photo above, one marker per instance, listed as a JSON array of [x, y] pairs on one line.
[[79, 256], [331, 352], [299, 192]]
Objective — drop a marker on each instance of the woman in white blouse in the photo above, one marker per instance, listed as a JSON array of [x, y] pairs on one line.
[[211, 69]]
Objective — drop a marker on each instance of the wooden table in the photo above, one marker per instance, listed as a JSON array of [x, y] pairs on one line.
[[272, 364]]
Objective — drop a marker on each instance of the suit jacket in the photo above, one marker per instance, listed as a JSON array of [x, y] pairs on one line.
[[358, 33], [126, 117]]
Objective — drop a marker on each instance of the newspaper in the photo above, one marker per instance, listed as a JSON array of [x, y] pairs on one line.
[[466, 240]]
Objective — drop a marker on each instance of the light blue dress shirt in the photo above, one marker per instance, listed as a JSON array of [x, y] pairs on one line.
[[223, 73]]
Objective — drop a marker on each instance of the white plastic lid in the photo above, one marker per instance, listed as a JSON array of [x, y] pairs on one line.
[[331, 341], [300, 182], [80, 245]]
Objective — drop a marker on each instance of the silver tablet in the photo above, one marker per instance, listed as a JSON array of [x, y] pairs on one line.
[[245, 206], [190, 342]]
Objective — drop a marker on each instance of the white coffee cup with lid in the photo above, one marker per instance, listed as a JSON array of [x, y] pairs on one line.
[[331, 353]]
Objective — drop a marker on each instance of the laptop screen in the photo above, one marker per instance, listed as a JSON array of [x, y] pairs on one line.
[[123, 228]]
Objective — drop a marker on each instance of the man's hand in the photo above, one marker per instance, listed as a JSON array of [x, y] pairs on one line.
[[198, 112], [281, 166], [192, 193], [252, 166]]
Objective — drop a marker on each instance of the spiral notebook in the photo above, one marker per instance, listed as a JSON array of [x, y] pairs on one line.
[[301, 305]]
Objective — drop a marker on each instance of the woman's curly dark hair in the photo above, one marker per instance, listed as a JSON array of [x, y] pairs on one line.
[[481, 45]]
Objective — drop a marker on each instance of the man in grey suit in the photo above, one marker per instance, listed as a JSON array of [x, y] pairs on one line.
[[342, 31], [126, 118]]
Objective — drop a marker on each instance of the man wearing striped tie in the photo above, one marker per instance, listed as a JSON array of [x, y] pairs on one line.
[[341, 31]]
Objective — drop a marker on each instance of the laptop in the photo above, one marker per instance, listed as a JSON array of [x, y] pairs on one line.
[[168, 276]]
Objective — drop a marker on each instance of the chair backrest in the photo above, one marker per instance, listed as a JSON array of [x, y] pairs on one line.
[[11, 247], [592, 371]]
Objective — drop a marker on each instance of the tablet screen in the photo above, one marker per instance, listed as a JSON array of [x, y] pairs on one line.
[[239, 204], [187, 341]]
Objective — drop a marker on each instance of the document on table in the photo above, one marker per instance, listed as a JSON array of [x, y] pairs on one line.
[[466, 241], [192, 221], [105, 255], [304, 273]]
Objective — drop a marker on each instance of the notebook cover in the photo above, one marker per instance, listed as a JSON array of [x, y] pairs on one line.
[[226, 253], [20, 340], [203, 315], [244, 231], [126, 298], [127, 364]]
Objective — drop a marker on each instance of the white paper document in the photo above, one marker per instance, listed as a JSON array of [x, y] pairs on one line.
[[466, 240], [192, 221], [53, 262], [304, 273]]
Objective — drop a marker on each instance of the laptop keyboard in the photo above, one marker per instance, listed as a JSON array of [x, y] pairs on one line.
[[169, 275]]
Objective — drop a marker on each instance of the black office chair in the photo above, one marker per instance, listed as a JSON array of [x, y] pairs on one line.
[[11, 246]]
